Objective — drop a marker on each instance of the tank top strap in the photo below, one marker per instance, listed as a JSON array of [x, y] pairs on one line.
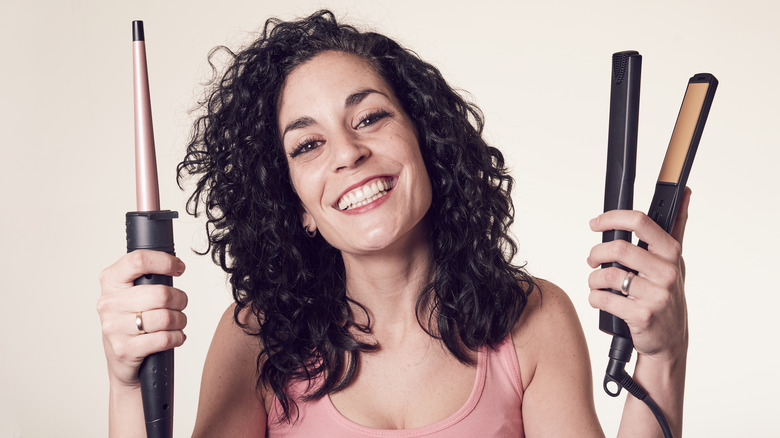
[[507, 355]]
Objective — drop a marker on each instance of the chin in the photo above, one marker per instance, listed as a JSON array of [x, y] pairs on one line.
[[383, 239], [369, 244]]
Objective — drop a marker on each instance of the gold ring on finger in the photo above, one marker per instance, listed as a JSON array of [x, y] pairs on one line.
[[627, 283], [139, 323]]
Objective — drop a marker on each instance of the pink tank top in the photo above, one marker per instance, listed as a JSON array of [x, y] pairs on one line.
[[492, 410]]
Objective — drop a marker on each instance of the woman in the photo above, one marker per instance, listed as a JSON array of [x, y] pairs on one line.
[[363, 223]]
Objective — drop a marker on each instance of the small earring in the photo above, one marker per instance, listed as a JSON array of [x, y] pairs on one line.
[[310, 233]]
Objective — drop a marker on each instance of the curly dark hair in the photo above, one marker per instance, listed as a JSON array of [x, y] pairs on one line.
[[295, 285]]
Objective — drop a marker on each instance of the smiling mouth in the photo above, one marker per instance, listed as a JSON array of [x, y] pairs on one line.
[[365, 194]]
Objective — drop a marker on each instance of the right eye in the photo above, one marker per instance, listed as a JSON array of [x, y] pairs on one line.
[[306, 146]]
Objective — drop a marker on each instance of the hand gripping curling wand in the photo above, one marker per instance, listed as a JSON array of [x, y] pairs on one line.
[[150, 228]]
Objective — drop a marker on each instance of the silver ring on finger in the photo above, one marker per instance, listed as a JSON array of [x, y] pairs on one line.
[[139, 323], [627, 283]]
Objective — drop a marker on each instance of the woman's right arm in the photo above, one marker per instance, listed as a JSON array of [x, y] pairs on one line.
[[230, 404], [125, 346]]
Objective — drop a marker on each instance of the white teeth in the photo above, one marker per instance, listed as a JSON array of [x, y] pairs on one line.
[[366, 194]]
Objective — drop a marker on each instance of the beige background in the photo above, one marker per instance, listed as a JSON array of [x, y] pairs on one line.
[[541, 75]]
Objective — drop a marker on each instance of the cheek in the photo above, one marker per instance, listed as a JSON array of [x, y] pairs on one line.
[[308, 186], [426, 190], [422, 181]]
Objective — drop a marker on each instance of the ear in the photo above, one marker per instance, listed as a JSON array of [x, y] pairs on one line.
[[308, 222]]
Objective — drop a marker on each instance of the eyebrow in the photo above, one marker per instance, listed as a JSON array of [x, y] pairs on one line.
[[356, 98], [351, 100], [299, 123]]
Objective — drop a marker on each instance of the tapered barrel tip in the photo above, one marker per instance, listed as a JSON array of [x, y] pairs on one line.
[[138, 30]]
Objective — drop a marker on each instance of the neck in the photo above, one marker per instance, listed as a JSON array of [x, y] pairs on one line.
[[388, 283]]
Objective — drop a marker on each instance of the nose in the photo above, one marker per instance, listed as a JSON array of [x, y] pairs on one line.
[[347, 151]]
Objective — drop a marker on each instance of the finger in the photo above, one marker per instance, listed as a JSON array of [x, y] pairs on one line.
[[646, 263], [613, 278], [659, 242], [678, 230], [615, 304], [141, 262], [637, 316], [158, 320], [155, 296], [141, 346], [141, 298]]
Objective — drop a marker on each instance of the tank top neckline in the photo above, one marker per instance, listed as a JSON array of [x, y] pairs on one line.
[[460, 414]]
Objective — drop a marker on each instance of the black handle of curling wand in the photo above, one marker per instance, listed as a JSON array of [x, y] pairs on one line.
[[154, 230]]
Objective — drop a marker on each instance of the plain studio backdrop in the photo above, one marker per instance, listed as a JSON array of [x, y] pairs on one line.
[[540, 72]]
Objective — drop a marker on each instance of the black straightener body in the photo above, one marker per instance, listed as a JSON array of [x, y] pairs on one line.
[[621, 167]]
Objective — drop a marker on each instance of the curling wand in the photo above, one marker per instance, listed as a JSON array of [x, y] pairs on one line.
[[150, 228]]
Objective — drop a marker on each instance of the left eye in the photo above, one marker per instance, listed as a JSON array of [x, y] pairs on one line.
[[372, 118]]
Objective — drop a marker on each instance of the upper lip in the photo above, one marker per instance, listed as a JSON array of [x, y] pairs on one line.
[[360, 184]]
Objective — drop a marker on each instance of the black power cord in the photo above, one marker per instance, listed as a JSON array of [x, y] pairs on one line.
[[619, 355]]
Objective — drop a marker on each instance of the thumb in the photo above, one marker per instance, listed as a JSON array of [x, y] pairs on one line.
[[678, 230]]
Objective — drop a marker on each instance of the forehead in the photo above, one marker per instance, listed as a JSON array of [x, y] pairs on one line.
[[326, 77]]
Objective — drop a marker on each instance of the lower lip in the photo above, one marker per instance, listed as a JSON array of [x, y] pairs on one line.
[[370, 206]]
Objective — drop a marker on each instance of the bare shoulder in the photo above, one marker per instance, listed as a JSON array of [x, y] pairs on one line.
[[547, 301], [549, 315], [555, 366], [230, 404]]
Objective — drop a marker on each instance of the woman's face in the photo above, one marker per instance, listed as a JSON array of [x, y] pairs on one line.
[[353, 155]]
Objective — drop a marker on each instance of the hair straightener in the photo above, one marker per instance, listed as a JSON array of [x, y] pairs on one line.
[[619, 188], [621, 168], [150, 228], [681, 151]]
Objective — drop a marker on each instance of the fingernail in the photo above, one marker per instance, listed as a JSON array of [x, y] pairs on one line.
[[593, 222]]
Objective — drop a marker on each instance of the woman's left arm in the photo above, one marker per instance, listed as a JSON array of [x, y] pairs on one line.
[[654, 310]]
